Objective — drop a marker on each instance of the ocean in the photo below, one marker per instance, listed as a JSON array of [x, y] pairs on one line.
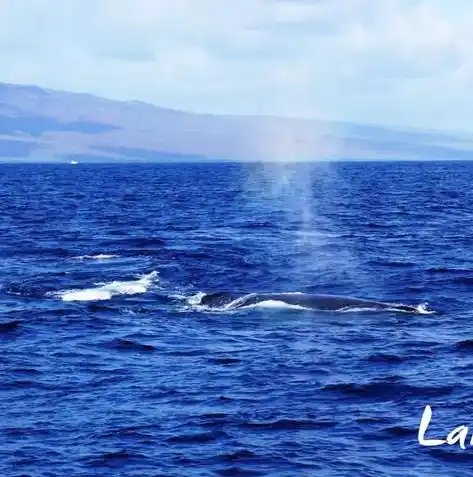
[[111, 365]]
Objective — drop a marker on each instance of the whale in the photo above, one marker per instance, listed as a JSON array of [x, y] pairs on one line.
[[309, 301]]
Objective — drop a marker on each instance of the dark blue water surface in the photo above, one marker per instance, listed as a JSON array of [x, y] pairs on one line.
[[110, 367]]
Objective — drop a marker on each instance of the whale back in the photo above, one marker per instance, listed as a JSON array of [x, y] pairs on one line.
[[305, 300]]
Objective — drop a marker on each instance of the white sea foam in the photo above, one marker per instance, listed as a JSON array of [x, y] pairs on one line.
[[100, 256], [196, 299], [194, 303], [422, 309], [108, 290], [178, 296]]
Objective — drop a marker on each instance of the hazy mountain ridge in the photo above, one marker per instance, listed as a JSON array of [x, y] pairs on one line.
[[48, 125]]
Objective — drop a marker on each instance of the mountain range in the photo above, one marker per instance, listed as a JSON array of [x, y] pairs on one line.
[[44, 125]]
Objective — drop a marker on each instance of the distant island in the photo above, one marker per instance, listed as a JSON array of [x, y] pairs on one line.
[[42, 125]]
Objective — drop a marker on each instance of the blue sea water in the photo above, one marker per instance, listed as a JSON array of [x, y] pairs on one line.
[[110, 367]]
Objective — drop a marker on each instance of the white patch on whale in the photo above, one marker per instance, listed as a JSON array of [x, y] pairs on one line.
[[275, 304]]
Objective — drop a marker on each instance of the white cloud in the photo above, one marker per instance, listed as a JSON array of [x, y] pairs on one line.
[[389, 61]]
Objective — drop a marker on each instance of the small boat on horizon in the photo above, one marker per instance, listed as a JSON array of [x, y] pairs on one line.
[[74, 162]]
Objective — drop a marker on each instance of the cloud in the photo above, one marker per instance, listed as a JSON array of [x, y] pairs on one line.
[[406, 62]]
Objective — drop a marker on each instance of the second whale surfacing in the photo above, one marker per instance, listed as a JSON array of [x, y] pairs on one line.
[[308, 301]]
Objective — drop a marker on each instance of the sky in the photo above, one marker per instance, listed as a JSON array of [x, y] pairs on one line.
[[393, 62]]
